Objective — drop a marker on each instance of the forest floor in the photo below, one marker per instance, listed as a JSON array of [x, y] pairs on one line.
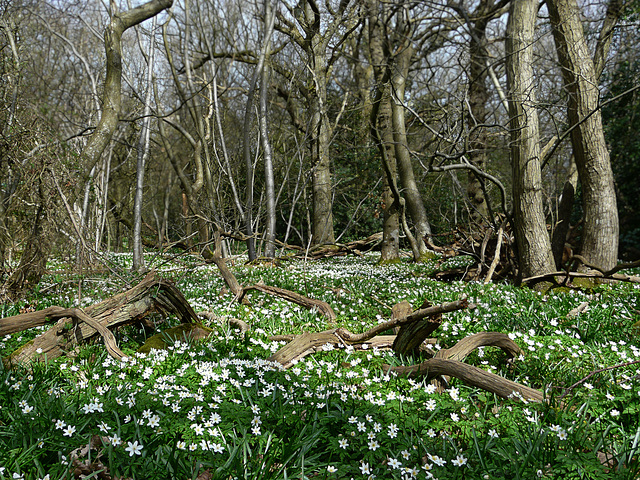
[[219, 409]]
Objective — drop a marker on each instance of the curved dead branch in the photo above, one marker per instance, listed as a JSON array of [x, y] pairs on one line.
[[464, 347], [233, 322], [309, 303], [412, 317], [474, 376]]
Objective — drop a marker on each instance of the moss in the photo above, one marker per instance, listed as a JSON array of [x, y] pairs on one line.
[[389, 261], [428, 256], [184, 331]]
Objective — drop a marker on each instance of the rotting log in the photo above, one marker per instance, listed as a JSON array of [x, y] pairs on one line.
[[72, 327], [474, 376], [310, 303]]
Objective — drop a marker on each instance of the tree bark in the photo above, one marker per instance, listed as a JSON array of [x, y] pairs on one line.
[[382, 126], [601, 227], [112, 96], [143, 153], [415, 205], [150, 295], [270, 195], [532, 239], [474, 376]]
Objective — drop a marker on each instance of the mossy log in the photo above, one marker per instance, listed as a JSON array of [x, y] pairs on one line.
[[77, 326]]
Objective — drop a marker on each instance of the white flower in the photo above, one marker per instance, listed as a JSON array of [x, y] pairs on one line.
[[343, 443], [615, 413], [18, 476], [364, 468], [69, 431], [331, 469], [459, 461], [394, 463], [134, 448], [154, 421]]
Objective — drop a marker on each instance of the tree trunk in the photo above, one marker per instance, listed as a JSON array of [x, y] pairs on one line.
[[600, 232], [112, 96], [390, 249], [322, 223], [532, 239], [143, 152], [478, 98], [415, 205], [270, 232], [381, 122], [33, 261]]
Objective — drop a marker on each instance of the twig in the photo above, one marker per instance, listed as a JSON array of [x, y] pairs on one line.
[[582, 380]]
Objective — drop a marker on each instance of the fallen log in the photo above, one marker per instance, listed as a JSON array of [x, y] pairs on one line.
[[308, 343], [474, 376], [77, 326]]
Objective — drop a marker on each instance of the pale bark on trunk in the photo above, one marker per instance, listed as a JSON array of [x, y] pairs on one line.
[[321, 131], [143, 153], [601, 228], [415, 205], [381, 121], [112, 96], [532, 239], [270, 233], [248, 124], [390, 249]]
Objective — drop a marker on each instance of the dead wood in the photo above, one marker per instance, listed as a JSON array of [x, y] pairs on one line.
[[233, 322], [309, 303], [578, 310], [411, 336], [496, 256], [308, 343], [357, 247], [413, 317], [300, 346], [464, 347], [76, 326], [562, 279], [400, 310], [474, 376]]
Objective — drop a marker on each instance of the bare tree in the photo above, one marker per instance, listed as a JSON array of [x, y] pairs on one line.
[[112, 96], [534, 246], [143, 153], [601, 228]]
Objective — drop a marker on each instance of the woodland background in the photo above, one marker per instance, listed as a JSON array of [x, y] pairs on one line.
[[281, 123]]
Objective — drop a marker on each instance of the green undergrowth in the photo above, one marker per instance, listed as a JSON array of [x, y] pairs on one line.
[[217, 408]]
